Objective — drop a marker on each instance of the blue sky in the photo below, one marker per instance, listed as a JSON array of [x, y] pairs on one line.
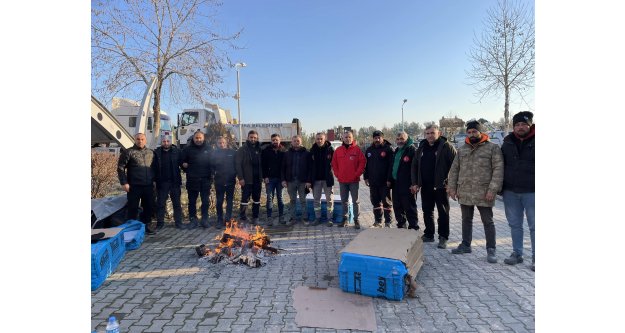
[[352, 63]]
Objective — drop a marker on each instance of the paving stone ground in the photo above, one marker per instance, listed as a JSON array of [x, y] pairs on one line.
[[164, 287]]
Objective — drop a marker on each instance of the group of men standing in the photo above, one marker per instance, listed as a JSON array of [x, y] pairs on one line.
[[473, 175]]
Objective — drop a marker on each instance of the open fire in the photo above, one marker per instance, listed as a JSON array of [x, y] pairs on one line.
[[238, 245]]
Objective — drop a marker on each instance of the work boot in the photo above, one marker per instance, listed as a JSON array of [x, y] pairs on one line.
[[291, 222], [442, 243], [330, 223], [192, 223], [461, 249], [204, 223], [178, 225], [269, 222], [356, 224], [149, 230], [281, 219], [387, 225], [427, 239], [491, 257], [160, 226], [219, 224], [377, 224], [514, 259]]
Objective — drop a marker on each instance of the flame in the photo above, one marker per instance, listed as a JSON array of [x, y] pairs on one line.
[[234, 233]]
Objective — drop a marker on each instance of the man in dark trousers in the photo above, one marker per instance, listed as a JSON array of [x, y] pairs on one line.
[[196, 162], [404, 201], [475, 178], [136, 175], [225, 179], [429, 175], [249, 172], [271, 158], [295, 176], [321, 176], [168, 181], [379, 163], [518, 182]]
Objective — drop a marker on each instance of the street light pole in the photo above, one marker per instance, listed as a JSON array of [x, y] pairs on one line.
[[237, 66], [402, 114]]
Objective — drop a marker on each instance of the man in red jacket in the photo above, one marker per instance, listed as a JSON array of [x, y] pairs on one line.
[[348, 164]]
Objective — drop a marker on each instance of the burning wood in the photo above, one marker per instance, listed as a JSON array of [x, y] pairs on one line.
[[238, 246]]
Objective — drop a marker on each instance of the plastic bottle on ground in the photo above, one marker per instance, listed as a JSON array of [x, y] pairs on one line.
[[112, 326]]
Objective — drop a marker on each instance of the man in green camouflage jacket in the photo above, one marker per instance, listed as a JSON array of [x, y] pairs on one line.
[[475, 178]]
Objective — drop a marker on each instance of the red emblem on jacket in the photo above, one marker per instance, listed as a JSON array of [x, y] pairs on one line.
[[406, 158], [383, 154]]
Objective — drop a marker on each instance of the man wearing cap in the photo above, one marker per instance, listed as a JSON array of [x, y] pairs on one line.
[[167, 159], [475, 178], [518, 182], [196, 162], [399, 179], [430, 168], [136, 175], [379, 163], [348, 164]]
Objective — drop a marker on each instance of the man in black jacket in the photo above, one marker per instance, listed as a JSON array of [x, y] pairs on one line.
[[379, 163], [136, 175], [430, 168], [225, 179], [196, 163], [404, 201], [321, 176], [272, 157], [168, 181], [295, 176], [250, 173], [518, 182]]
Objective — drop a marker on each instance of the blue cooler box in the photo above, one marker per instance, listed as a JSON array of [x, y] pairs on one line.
[[105, 257], [373, 276], [381, 262], [337, 213]]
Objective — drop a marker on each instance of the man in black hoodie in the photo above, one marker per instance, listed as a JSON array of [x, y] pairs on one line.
[[168, 181], [295, 176], [321, 176], [196, 163], [271, 158], [249, 171], [518, 182], [136, 175], [430, 168], [225, 179], [379, 163]]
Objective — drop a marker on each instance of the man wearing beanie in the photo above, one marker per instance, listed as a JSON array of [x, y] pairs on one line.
[[475, 178], [518, 182], [379, 164]]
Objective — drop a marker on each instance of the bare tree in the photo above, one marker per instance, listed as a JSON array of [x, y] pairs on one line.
[[503, 56], [175, 40]]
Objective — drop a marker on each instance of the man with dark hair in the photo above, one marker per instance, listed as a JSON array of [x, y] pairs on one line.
[[475, 178], [167, 159], [430, 168], [321, 176], [271, 158], [379, 163], [249, 172], [348, 164], [196, 162], [136, 175], [295, 176], [518, 182], [225, 179], [404, 200]]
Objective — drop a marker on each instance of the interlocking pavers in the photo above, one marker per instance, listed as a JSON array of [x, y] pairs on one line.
[[163, 286]]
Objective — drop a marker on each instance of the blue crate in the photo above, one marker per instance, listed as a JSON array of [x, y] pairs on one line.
[[102, 265], [133, 234], [373, 276], [117, 245]]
